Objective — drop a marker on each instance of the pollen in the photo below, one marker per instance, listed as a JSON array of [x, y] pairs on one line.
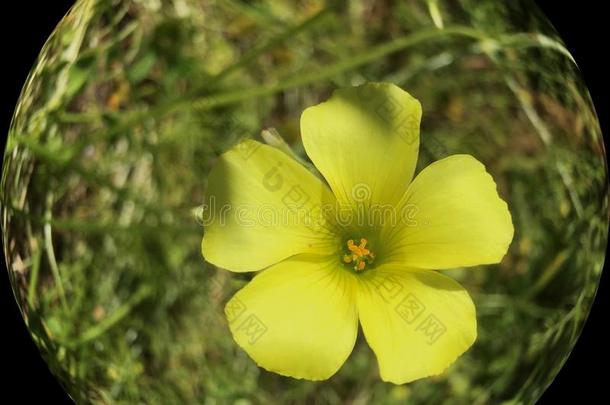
[[358, 256]]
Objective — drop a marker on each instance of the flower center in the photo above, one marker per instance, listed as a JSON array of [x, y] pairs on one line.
[[358, 256]]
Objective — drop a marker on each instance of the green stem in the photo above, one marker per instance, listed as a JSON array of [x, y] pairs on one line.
[[288, 34], [117, 316], [435, 14], [300, 79], [327, 72], [33, 281], [89, 175], [548, 275], [377, 53], [50, 251], [99, 227]]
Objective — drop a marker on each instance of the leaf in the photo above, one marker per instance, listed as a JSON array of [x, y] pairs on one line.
[[78, 75], [141, 68]]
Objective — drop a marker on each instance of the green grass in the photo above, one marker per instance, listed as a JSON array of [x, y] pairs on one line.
[[131, 102]]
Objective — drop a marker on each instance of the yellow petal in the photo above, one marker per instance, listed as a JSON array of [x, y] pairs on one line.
[[416, 322], [297, 318], [365, 141], [262, 207], [451, 216]]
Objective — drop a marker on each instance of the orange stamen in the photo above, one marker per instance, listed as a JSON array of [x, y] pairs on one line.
[[358, 255]]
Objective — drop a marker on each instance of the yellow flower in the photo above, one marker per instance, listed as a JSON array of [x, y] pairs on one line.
[[361, 247]]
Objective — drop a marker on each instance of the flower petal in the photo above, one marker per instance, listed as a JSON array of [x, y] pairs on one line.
[[416, 322], [451, 216], [365, 141], [298, 318], [263, 207]]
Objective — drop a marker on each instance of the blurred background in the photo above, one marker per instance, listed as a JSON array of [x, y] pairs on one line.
[[130, 103]]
